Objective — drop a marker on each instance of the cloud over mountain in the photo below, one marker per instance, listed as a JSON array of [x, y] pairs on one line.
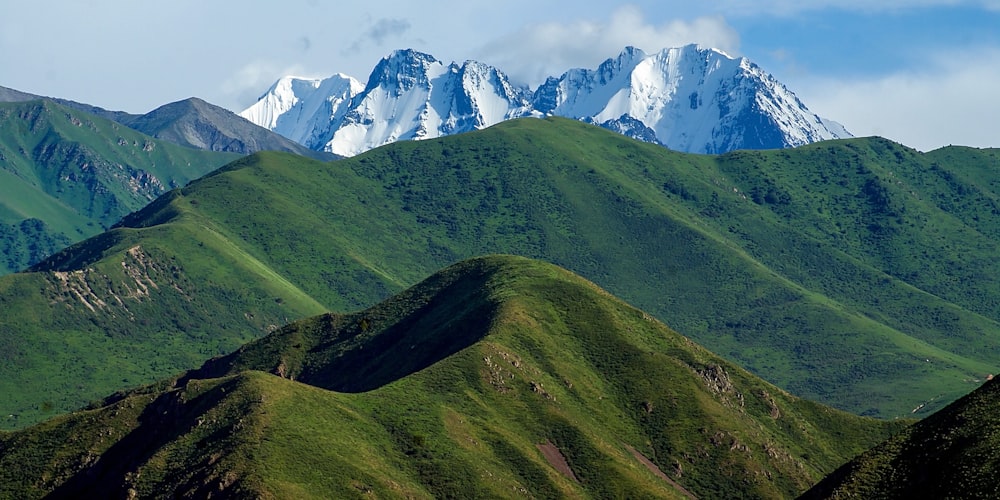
[[535, 51]]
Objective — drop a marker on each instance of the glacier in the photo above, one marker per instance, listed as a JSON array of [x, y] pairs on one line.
[[691, 99]]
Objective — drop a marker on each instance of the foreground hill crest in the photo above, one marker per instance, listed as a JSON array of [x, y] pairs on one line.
[[501, 375], [688, 99]]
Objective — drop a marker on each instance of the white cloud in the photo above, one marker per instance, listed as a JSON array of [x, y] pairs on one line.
[[377, 34], [952, 99], [536, 51], [790, 7]]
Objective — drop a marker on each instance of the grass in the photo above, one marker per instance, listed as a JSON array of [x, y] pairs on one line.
[[486, 360]]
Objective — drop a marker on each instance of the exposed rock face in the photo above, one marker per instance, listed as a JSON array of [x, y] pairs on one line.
[[198, 124]]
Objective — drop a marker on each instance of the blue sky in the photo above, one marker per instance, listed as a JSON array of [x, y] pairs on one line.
[[922, 72]]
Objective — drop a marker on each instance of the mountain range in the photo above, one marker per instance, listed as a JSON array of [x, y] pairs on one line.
[[688, 99], [496, 377], [191, 123]]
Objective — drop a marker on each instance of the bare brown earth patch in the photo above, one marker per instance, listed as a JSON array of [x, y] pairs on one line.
[[659, 473], [556, 459]]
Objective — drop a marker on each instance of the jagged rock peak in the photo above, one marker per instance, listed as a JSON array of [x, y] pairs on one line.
[[403, 69]]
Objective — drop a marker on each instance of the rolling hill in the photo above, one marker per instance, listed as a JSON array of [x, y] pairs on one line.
[[498, 376], [66, 174], [858, 273]]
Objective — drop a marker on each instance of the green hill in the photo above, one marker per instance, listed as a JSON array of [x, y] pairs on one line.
[[66, 174], [858, 273], [482, 380], [950, 454]]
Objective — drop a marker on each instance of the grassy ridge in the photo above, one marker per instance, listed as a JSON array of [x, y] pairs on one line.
[[463, 376], [834, 270], [78, 174]]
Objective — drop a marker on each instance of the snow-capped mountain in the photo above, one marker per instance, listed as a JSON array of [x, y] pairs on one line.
[[411, 95], [304, 110], [688, 99]]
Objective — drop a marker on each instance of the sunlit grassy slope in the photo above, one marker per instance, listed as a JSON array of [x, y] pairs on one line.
[[71, 174], [859, 273], [450, 389]]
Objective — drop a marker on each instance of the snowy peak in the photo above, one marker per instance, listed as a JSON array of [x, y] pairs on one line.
[[686, 98], [403, 70], [581, 93], [487, 96], [412, 95], [302, 109], [691, 99], [611, 69]]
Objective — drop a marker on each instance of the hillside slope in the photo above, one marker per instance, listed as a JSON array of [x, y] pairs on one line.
[[950, 454], [500, 375], [852, 272], [13, 95], [66, 175]]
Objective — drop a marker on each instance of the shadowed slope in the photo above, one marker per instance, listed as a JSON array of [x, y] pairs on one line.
[[198, 124], [954, 453], [442, 315], [207, 438]]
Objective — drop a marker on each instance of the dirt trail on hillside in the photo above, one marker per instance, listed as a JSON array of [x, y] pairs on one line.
[[659, 473], [556, 459]]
